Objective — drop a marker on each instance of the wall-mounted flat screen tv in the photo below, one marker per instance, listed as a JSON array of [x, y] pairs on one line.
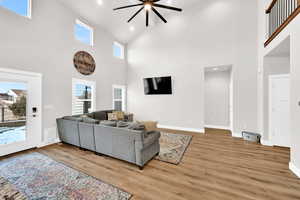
[[158, 85]]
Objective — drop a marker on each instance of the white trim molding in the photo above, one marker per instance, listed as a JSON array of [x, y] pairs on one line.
[[54, 141], [294, 169], [218, 127], [266, 142], [237, 135], [181, 128]]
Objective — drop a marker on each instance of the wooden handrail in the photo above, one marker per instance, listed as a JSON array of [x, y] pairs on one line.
[[271, 6], [282, 26]]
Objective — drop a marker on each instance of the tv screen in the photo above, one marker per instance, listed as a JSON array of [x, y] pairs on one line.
[[158, 85]]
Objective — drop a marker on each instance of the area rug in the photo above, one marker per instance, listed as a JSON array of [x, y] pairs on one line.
[[173, 147], [39, 177]]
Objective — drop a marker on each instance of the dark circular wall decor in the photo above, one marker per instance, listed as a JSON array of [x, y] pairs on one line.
[[84, 63]]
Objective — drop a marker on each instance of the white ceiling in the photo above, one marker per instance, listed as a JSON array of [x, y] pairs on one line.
[[115, 22]]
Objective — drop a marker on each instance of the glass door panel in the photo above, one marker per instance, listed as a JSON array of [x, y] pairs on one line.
[[13, 104]]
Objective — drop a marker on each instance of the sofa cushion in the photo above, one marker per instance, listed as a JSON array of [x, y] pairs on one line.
[[122, 124], [79, 119], [108, 123], [90, 120]]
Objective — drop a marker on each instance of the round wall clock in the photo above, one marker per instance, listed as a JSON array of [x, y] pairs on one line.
[[84, 63]]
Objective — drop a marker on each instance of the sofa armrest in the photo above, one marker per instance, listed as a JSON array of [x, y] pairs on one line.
[[148, 139], [147, 148], [151, 137]]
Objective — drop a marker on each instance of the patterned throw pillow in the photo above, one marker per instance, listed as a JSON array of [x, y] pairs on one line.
[[112, 117], [120, 115]]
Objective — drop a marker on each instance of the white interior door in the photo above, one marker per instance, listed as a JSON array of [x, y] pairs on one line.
[[279, 108], [20, 116]]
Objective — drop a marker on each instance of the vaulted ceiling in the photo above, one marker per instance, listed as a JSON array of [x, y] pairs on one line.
[[115, 22]]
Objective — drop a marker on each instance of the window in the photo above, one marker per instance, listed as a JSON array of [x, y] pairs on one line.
[[21, 7], [119, 97], [118, 50], [84, 33], [83, 97]]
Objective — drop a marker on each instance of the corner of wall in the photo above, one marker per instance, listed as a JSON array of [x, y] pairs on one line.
[[294, 169]]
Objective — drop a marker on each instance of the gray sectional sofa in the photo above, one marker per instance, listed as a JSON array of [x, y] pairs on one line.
[[134, 146]]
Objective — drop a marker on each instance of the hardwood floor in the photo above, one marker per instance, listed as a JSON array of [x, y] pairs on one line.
[[215, 167]]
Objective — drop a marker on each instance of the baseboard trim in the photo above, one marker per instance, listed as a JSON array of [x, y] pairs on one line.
[[54, 141], [181, 128], [266, 142], [294, 169], [237, 135], [218, 127]]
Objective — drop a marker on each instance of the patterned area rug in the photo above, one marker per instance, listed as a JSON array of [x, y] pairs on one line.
[[173, 147], [39, 178]]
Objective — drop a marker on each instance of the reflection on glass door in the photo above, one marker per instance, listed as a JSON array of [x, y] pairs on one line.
[[12, 112]]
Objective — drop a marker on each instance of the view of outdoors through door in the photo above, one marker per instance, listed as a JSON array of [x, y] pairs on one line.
[[12, 112]]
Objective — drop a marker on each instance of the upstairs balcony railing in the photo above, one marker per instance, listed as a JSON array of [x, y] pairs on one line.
[[280, 14]]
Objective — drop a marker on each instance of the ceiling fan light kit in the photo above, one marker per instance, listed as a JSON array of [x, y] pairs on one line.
[[149, 5]]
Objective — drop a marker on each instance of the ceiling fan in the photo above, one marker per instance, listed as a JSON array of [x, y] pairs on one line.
[[149, 5]]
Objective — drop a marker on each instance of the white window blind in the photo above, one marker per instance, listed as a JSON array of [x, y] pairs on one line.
[[119, 97], [83, 97]]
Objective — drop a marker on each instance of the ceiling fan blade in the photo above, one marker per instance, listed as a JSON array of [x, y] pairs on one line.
[[152, 0], [159, 15], [167, 7], [140, 4], [147, 17], [135, 14]]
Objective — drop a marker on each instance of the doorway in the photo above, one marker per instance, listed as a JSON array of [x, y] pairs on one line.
[[20, 111], [218, 97], [279, 110]]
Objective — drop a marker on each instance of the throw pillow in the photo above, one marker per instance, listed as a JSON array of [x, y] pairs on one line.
[[120, 115], [149, 125], [136, 126], [112, 116]]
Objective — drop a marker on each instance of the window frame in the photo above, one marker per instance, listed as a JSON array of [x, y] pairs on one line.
[[91, 29], [122, 47], [91, 84], [123, 100], [29, 10]]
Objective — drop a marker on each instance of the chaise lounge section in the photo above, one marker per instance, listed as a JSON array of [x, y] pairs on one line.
[[134, 146]]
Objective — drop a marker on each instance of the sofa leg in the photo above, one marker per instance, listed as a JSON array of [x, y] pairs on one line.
[[141, 167]]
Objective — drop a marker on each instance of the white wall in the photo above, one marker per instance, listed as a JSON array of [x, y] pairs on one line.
[[292, 31], [211, 33], [217, 98], [46, 44]]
